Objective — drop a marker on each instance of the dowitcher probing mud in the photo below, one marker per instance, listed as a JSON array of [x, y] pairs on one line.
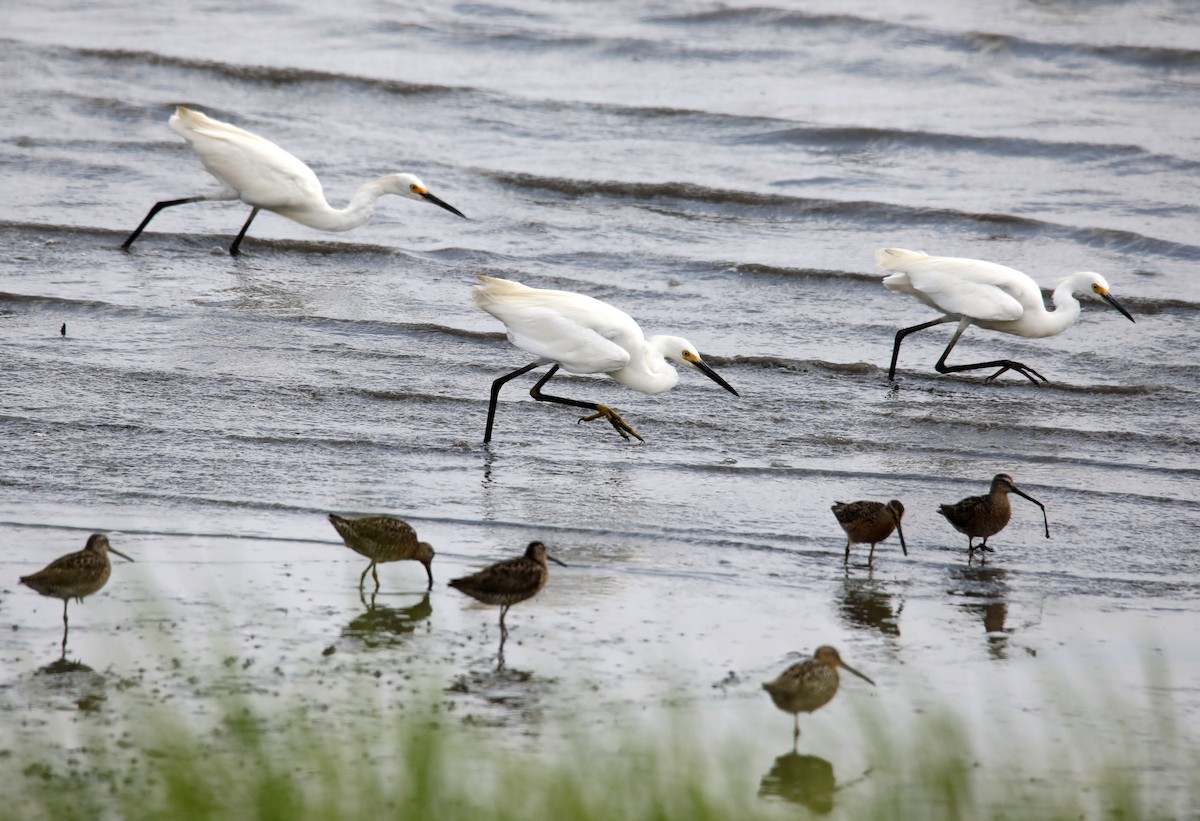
[[510, 581], [808, 685], [983, 516], [383, 539], [75, 575], [869, 522]]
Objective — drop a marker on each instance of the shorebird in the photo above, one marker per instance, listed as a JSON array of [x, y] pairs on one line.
[[75, 575], [809, 685], [583, 335], [264, 176], [383, 539], [869, 522], [976, 292], [984, 516], [508, 582]]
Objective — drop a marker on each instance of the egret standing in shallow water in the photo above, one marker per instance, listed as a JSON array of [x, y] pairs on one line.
[[975, 292], [583, 335], [264, 176], [809, 684], [984, 516], [75, 575]]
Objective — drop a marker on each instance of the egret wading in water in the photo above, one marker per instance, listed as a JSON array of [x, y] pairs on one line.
[[264, 176], [808, 685], [75, 575], [975, 292], [583, 335], [984, 516]]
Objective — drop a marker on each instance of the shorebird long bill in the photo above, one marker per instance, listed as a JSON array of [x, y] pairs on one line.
[[1045, 519], [850, 669], [112, 549]]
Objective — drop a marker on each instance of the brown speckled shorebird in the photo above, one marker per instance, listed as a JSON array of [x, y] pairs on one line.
[[383, 539], [869, 522], [508, 582], [75, 575], [984, 516], [808, 685]]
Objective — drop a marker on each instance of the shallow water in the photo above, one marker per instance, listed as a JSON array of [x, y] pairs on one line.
[[717, 171]]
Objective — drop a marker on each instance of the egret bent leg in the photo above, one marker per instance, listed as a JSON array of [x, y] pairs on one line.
[[614, 419], [158, 206], [234, 249], [903, 332], [1003, 364], [499, 383]]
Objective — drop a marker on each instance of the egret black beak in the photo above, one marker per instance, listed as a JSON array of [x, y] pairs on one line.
[[850, 669], [112, 549], [1045, 521], [1107, 297], [431, 198], [556, 561], [703, 367]]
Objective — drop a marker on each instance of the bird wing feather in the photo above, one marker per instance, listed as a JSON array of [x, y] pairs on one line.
[[582, 334], [954, 285], [261, 172]]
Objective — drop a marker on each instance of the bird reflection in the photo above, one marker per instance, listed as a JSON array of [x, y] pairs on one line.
[[987, 589], [383, 626], [866, 603], [807, 780]]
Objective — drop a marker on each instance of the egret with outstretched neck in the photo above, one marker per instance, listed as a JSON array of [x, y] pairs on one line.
[[996, 297], [583, 335], [265, 177]]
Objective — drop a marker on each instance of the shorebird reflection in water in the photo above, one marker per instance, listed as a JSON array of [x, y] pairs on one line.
[[383, 539], [869, 523], [984, 516], [809, 685], [75, 575], [508, 582]]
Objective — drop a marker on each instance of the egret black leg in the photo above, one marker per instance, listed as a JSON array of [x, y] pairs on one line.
[[903, 332], [1003, 364], [158, 206], [234, 249], [614, 419], [499, 383]]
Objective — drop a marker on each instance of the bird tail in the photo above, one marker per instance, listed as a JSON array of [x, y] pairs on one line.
[[897, 259], [494, 288]]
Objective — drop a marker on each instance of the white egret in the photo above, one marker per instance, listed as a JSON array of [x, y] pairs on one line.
[[583, 335], [264, 176], [975, 292]]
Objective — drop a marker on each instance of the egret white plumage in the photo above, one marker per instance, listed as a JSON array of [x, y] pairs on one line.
[[264, 176], [583, 335], [993, 296]]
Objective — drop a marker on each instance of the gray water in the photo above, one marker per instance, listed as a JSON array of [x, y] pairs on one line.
[[718, 171]]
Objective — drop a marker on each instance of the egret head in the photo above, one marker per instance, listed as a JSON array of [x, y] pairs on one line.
[[1099, 286], [409, 186], [684, 352]]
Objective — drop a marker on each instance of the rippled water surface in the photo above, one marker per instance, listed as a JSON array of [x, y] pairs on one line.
[[719, 171]]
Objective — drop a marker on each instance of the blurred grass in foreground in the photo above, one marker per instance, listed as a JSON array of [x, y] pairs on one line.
[[274, 765]]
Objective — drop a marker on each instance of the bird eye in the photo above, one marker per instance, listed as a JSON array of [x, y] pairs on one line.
[[414, 188]]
